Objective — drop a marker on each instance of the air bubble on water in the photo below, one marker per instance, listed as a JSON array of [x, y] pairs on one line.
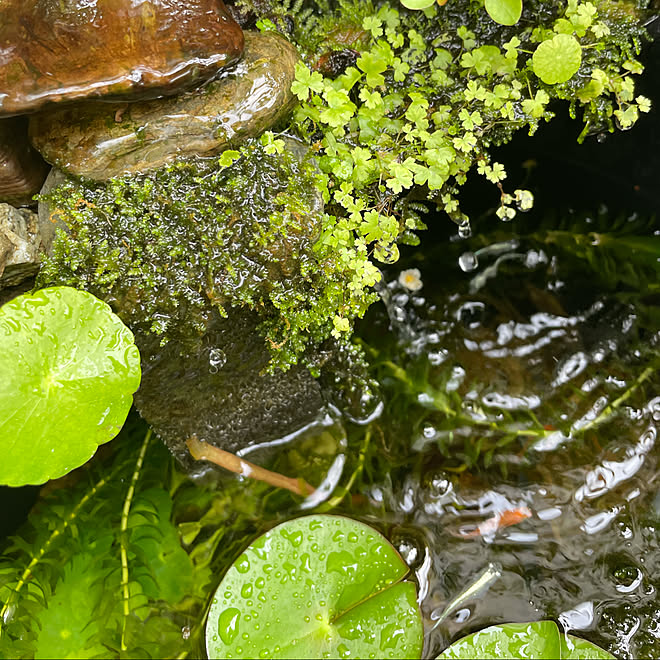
[[468, 262], [217, 360]]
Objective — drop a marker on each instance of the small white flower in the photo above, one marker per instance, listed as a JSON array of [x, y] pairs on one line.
[[411, 279]]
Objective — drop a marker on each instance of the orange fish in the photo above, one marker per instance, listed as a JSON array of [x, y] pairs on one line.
[[499, 521]]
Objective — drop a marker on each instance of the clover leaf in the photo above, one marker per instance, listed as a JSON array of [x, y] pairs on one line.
[[318, 586], [558, 59], [69, 369]]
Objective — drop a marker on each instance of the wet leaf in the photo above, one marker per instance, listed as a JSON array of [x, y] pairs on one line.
[[541, 640], [314, 587], [69, 369], [504, 12], [417, 4], [558, 59]]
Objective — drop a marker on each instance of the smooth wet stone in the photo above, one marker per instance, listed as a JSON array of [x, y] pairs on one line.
[[23, 241], [22, 169], [102, 140], [64, 50], [219, 391]]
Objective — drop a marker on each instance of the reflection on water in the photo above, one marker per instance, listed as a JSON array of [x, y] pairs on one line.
[[524, 388]]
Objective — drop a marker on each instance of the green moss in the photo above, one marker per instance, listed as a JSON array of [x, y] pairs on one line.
[[167, 248]]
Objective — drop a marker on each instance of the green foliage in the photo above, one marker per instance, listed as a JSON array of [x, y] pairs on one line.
[[538, 639], [168, 247], [504, 12], [340, 583], [99, 570], [70, 369], [424, 102], [558, 59]]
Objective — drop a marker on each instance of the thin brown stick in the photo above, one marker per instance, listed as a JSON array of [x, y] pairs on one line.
[[202, 451]]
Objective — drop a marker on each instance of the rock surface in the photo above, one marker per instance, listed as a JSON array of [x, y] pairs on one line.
[[101, 140], [23, 240], [22, 170], [62, 50], [219, 393]]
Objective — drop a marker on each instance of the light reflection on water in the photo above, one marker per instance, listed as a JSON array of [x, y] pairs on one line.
[[556, 389]]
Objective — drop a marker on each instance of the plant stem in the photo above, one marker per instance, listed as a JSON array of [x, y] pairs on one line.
[[124, 540], [202, 451], [8, 608]]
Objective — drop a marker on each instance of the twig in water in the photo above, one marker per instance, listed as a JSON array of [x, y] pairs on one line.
[[202, 451]]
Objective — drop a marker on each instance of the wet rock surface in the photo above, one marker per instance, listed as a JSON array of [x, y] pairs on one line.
[[218, 392], [101, 140], [22, 170], [61, 50], [23, 241]]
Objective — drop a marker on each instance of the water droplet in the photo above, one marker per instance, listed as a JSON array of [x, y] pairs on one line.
[[228, 625], [464, 229], [468, 262], [243, 564], [246, 590]]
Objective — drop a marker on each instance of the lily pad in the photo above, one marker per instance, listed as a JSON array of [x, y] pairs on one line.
[[316, 587], [558, 59], [541, 640], [504, 12], [69, 369], [417, 4]]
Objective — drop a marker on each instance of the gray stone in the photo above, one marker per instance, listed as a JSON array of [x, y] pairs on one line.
[[24, 238], [101, 140]]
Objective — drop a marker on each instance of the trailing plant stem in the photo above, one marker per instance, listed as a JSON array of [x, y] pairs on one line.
[[7, 608], [124, 539]]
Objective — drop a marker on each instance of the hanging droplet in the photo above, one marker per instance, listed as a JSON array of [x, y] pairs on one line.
[[468, 262]]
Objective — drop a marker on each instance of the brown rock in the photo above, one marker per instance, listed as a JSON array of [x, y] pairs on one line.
[[22, 169], [101, 140], [61, 50]]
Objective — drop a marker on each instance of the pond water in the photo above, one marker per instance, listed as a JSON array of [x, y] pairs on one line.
[[515, 448], [529, 406]]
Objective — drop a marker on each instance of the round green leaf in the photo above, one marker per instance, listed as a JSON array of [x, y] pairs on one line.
[[504, 12], [69, 369], [558, 59], [417, 4], [574, 648], [318, 586], [541, 640]]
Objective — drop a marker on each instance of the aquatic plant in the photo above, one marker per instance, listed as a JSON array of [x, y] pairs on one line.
[[343, 585], [70, 368], [537, 639]]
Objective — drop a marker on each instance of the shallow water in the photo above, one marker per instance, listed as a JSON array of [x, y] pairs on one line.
[[525, 387]]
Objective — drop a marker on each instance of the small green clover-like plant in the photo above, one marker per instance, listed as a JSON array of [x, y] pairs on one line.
[[319, 586], [558, 59], [69, 370], [541, 640]]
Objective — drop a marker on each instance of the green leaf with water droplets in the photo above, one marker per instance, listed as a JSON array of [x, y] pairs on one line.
[[541, 640], [318, 586], [68, 368]]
